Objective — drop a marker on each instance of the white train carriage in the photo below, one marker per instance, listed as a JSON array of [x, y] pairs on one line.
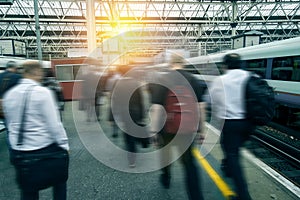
[[278, 62]]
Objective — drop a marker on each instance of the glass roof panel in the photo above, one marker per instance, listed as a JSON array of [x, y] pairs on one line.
[[66, 16]]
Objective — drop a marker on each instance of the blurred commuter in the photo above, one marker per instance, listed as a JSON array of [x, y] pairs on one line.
[[37, 140], [227, 95], [89, 90], [99, 96], [102, 92], [109, 88], [129, 87], [51, 82], [183, 141], [8, 79]]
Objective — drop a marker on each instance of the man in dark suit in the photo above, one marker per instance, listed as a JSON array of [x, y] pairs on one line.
[[9, 77]]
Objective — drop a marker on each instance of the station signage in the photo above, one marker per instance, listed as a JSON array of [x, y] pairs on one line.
[[9, 47]]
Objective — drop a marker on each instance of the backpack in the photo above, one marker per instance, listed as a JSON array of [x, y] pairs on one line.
[[183, 114], [260, 101]]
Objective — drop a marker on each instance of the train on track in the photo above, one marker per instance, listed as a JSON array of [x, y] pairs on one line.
[[277, 62]]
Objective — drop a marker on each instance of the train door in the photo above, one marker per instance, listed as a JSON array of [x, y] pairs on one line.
[[286, 78]]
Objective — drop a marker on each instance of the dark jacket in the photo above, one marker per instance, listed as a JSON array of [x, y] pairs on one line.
[[52, 84], [159, 91], [7, 81]]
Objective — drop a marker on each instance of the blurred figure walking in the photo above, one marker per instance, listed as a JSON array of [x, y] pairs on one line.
[[8, 79], [51, 82], [182, 136], [114, 77], [90, 86], [131, 116], [227, 95], [37, 139]]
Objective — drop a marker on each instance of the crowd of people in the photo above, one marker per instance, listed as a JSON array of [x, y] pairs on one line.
[[39, 128]]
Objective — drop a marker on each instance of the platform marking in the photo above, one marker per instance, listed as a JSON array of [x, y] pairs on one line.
[[220, 183], [279, 178]]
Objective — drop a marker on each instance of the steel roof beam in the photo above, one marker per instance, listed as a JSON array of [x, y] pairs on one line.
[[81, 22]]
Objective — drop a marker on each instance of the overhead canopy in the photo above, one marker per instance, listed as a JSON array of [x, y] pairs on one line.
[[197, 25]]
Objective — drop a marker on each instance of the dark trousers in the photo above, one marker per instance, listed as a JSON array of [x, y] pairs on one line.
[[98, 105], [31, 192], [130, 143], [59, 193], [90, 109], [184, 146], [234, 134]]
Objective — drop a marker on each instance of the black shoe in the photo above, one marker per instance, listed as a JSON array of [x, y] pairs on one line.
[[165, 181], [145, 142], [237, 198], [234, 198], [225, 170]]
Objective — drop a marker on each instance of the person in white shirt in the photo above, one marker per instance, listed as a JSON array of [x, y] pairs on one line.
[[227, 93], [42, 127]]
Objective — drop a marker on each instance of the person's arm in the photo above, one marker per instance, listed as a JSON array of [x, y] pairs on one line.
[[157, 111], [158, 118], [51, 115]]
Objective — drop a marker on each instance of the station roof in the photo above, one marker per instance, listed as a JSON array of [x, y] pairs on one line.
[[149, 26]]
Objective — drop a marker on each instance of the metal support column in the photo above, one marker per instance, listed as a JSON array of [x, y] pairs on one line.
[[91, 27], [233, 23], [37, 28], [234, 20]]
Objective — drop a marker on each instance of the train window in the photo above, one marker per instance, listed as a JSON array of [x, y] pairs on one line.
[[258, 66], [67, 72], [64, 72], [296, 69], [286, 69], [191, 69], [205, 69]]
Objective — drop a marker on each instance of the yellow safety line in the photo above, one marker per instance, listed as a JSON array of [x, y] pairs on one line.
[[223, 187]]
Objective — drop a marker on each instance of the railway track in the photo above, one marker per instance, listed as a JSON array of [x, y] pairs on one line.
[[279, 150]]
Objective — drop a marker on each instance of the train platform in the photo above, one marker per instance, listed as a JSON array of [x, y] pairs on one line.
[[98, 171]]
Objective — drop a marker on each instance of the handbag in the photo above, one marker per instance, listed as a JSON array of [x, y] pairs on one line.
[[42, 168]]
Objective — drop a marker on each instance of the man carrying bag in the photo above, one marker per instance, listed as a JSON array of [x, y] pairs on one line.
[[37, 140]]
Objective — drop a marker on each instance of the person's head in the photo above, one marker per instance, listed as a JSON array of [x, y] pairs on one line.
[[177, 61], [49, 73], [12, 66], [232, 61], [33, 70]]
